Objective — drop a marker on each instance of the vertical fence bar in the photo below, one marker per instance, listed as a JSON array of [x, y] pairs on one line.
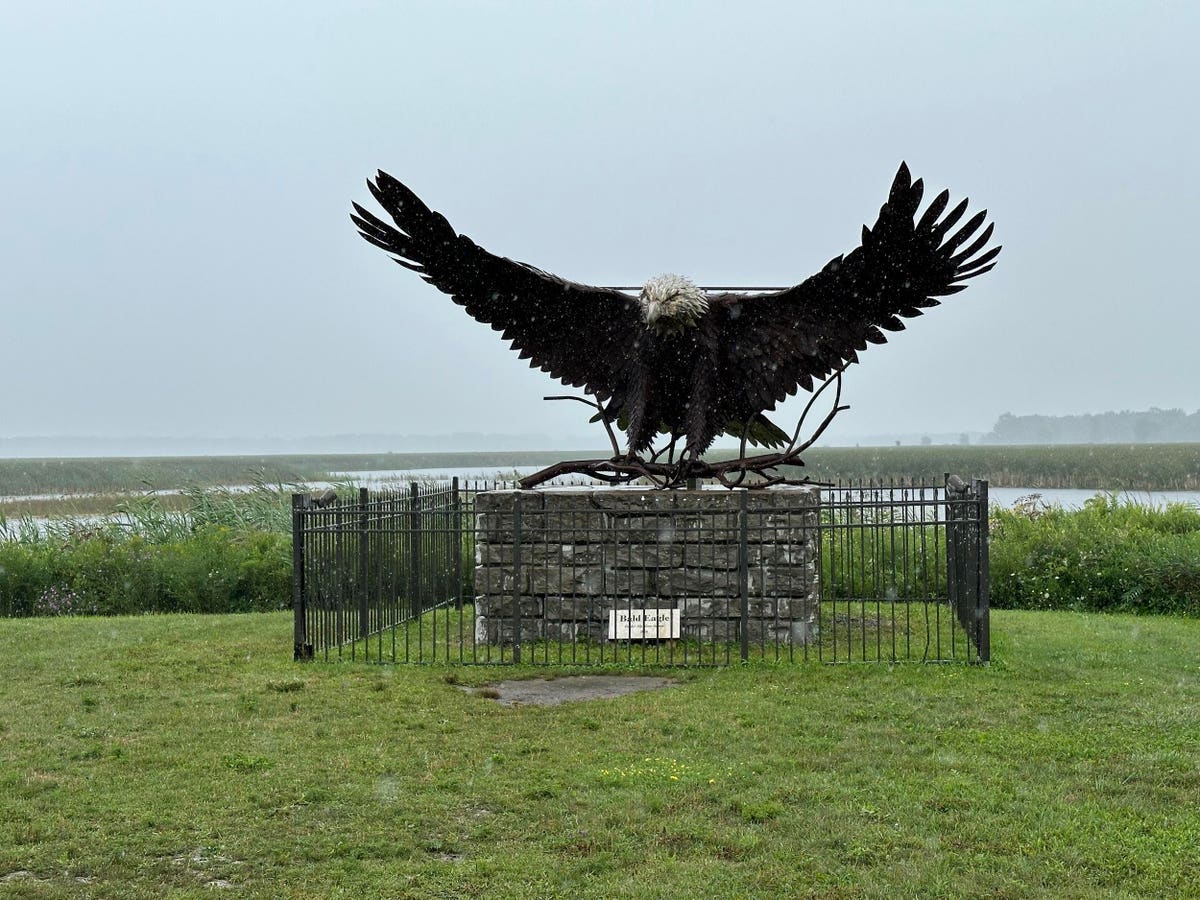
[[414, 553], [983, 598], [743, 575], [516, 597], [339, 568], [364, 612], [324, 577], [456, 535], [303, 649]]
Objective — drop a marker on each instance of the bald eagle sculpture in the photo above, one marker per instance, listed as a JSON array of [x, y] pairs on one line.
[[675, 359]]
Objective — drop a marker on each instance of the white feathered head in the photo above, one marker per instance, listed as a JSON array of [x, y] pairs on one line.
[[671, 303]]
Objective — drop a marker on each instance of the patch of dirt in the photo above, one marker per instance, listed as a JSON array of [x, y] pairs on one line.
[[197, 862], [569, 689], [19, 875]]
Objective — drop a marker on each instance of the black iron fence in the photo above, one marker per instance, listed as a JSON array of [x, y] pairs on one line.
[[474, 573], [365, 565]]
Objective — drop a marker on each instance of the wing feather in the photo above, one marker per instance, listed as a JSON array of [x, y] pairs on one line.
[[585, 336], [773, 343], [935, 209]]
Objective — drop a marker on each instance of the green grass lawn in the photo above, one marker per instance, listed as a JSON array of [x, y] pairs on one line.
[[168, 755]]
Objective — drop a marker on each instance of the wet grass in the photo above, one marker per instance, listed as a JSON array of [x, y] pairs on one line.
[[845, 631], [155, 756]]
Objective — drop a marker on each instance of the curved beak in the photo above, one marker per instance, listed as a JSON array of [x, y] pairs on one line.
[[653, 311]]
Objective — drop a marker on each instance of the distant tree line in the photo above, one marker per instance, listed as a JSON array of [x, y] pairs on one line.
[[1153, 426]]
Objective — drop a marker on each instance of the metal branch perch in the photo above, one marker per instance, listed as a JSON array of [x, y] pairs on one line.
[[731, 473]]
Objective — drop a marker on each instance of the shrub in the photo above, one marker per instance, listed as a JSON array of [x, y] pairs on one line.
[[213, 569], [1109, 556]]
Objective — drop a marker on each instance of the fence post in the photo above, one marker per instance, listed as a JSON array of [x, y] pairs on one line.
[[953, 531], [364, 612], [456, 535], [967, 564], [983, 596], [303, 649], [414, 551], [339, 598], [517, 577], [743, 574]]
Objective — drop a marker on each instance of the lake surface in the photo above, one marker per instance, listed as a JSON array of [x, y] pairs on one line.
[[1075, 498], [1068, 498], [464, 473]]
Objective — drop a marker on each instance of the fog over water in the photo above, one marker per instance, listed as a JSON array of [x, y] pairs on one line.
[[176, 258]]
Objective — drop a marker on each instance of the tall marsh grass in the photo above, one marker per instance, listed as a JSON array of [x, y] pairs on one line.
[[1103, 467], [226, 551], [1099, 467]]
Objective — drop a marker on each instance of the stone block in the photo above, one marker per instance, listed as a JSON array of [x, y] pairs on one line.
[[572, 555], [632, 584], [761, 608], [544, 528], [499, 581], [591, 581], [608, 499], [503, 607], [694, 582], [574, 608], [799, 552], [651, 555], [508, 500], [685, 528]]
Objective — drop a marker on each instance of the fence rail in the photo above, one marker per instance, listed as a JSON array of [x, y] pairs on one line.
[[858, 572]]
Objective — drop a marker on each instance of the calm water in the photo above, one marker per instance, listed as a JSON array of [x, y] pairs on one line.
[[1074, 498], [1068, 498], [469, 473]]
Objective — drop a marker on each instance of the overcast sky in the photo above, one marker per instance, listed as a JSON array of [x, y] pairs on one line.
[[176, 257]]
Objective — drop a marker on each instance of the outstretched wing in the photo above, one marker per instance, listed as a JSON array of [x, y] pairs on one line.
[[585, 336], [772, 344]]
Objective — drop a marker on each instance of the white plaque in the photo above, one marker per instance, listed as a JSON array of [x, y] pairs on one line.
[[643, 624]]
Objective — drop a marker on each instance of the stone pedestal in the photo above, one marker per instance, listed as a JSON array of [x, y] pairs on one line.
[[554, 563]]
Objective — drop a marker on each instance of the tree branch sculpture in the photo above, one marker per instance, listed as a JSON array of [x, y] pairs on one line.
[[628, 468]]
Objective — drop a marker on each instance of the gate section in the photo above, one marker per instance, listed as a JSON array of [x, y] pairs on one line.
[[364, 566], [904, 573]]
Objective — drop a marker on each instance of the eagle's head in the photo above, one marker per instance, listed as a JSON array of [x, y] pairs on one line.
[[671, 303]]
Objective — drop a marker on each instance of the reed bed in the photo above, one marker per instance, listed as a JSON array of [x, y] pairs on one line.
[[1102, 467], [1099, 467], [22, 477]]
